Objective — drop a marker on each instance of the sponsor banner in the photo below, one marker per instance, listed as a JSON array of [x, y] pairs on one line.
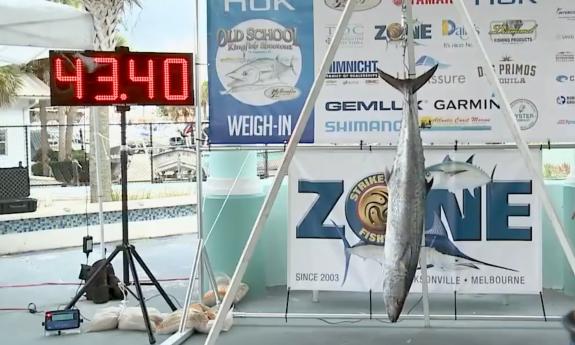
[[482, 226], [264, 55], [261, 69]]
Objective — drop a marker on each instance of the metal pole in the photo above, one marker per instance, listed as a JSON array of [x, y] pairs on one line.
[[282, 172], [407, 18], [151, 128], [94, 144], [521, 144], [364, 316], [199, 170], [381, 147], [124, 179]]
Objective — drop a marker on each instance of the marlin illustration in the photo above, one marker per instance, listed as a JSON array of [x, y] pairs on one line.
[[456, 175], [407, 189], [444, 255], [260, 73], [361, 249]]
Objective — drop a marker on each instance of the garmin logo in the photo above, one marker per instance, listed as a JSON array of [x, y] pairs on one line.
[[259, 5], [466, 104], [366, 106]]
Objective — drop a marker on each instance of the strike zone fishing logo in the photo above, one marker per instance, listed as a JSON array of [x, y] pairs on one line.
[[259, 62], [466, 206]]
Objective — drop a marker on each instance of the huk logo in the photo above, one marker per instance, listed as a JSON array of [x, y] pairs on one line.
[[511, 72], [505, 2], [363, 5], [259, 5]]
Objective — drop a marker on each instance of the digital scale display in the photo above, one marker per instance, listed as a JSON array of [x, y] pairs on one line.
[[98, 78], [60, 320]]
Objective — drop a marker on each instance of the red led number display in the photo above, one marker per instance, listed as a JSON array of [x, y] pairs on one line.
[[116, 78]]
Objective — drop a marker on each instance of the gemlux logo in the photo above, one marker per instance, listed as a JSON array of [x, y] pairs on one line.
[[513, 31], [511, 72]]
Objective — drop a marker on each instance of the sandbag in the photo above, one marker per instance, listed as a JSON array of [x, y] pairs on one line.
[[197, 314], [209, 298], [205, 327], [104, 320], [132, 319]]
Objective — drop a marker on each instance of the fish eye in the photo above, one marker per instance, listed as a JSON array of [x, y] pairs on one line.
[[244, 73]]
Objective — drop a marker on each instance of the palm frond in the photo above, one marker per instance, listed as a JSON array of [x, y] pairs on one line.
[[10, 83]]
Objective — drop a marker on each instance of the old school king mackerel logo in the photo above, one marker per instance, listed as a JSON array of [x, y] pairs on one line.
[[259, 62], [366, 209]]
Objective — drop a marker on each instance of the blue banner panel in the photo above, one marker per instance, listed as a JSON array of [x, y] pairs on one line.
[[261, 69]]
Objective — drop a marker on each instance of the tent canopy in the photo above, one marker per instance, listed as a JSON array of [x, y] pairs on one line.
[[29, 28]]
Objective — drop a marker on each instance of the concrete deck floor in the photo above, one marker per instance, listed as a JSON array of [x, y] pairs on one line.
[[172, 258]]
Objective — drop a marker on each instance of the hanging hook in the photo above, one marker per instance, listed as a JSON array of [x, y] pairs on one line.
[[455, 147], [369, 148], [285, 144], [361, 145], [549, 144]]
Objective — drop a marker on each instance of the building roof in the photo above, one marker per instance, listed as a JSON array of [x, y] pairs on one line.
[[32, 87]]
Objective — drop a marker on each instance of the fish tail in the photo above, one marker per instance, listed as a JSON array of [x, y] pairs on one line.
[[492, 265], [346, 251], [411, 85]]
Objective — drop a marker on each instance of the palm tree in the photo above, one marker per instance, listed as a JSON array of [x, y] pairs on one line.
[[10, 82], [107, 16]]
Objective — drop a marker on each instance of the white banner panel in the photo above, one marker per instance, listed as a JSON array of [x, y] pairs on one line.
[[483, 234], [530, 43]]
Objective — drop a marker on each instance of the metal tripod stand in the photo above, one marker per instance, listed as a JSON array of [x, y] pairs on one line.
[[129, 251]]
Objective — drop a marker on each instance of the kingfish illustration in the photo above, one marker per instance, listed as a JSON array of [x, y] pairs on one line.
[[455, 175], [263, 72], [406, 206], [361, 249], [444, 255]]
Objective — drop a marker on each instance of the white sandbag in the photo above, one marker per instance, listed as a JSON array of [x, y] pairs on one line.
[[132, 319], [197, 314], [104, 320], [209, 298], [205, 327]]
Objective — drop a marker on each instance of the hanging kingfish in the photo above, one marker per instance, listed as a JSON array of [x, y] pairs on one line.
[[407, 188]]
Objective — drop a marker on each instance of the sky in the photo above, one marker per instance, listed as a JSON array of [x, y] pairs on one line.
[[163, 26]]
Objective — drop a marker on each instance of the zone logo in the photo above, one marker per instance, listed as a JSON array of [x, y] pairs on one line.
[[506, 2]]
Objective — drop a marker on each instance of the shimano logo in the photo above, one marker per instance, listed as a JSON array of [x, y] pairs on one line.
[[259, 5], [362, 126]]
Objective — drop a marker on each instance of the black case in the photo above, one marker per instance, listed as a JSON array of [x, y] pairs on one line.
[[15, 191]]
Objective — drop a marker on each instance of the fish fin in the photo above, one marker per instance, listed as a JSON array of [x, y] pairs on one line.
[[447, 159], [468, 264], [428, 185], [493, 172], [437, 227], [387, 174], [470, 160], [455, 172], [411, 85]]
